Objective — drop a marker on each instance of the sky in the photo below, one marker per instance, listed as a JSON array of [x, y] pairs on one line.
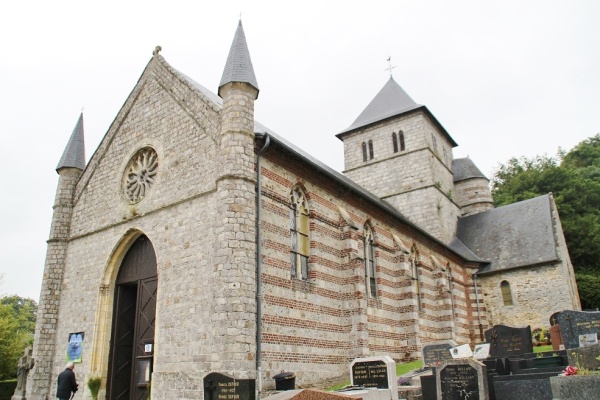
[[506, 79]]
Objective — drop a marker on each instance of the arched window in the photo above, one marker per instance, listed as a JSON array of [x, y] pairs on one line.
[[371, 154], [364, 151], [299, 229], [395, 142], [402, 146], [506, 293], [415, 276], [370, 262]]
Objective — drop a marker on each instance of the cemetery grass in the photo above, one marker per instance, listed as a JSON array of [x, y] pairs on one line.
[[539, 349], [401, 369], [7, 388]]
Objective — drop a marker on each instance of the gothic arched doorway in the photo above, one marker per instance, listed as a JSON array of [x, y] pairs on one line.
[[132, 343]]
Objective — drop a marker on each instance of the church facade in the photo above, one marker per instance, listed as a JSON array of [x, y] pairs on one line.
[[196, 240]]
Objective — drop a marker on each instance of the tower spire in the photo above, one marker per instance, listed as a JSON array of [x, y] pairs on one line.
[[238, 67], [74, 154]]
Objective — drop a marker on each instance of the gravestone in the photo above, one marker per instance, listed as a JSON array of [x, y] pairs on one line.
[[554, 318], [375, 372], [556, 337], [219, 386], [585, 357], [506, 341], [437, 353], [461, 380], [574, 325]]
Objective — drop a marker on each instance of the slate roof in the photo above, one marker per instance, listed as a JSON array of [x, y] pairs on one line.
[[513, 236], [74, 154], [391, 101], [465, 168], [466, 253], [238, 67]]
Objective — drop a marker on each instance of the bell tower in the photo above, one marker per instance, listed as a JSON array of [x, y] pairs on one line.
[[399, 151]]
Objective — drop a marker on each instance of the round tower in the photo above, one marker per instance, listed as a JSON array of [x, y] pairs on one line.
[[471, 187], [235, 220], [69, 169]]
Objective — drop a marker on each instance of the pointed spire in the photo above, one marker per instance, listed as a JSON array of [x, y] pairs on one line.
[[239, 66], [74, 154], [391, 100]]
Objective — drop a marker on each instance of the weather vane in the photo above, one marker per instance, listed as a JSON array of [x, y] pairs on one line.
[[390, 68]]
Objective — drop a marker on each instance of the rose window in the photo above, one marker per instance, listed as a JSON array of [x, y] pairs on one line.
[[140, 174]]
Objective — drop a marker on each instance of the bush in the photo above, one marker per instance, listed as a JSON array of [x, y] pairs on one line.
[[7, 389]]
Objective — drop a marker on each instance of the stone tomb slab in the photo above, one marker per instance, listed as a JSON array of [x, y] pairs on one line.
[[535, 386], [574, 324], [375, 372], [218, 386], [462, 380], [585, 357], [507, 341], [437, 353]]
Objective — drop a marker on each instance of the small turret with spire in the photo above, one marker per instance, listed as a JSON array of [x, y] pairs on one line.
[[235, 224], [69, 169]]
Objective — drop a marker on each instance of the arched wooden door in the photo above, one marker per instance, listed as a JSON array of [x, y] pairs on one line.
[[132, 339]]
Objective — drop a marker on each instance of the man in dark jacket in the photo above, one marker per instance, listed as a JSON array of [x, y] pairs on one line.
[[66, 382]]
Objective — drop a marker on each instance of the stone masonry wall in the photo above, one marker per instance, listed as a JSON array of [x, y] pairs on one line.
[[473, 196], [530, 288], [398, 177], [44, 348]]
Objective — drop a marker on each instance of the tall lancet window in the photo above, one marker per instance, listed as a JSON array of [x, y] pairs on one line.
[[364, 151], [371, 153], [414, 267], [299, 229], [401, 137], [395, 142], [506, 293], [370, 262]]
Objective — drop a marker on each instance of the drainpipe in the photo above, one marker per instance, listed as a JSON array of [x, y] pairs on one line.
[[478, 311], [259, 267]]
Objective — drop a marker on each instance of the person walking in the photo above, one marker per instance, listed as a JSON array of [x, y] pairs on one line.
[[66, 382]]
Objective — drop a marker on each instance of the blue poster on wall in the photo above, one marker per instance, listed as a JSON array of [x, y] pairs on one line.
[[75, 347]]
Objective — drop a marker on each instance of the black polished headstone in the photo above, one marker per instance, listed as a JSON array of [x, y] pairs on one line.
[[576, 323], [370, 374], [462, 379], [534, 386], [507, 341], [435, 354], [219, 386]]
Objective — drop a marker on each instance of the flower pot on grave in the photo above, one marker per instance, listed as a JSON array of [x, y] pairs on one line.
[[575, 387]]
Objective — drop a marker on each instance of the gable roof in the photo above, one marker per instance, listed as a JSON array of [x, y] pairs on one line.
[[512, 236], [391, 101], [74, 153], [465, 168], [238, 67]]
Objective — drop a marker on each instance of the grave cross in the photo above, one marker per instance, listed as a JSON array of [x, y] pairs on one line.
[[569, 319], [212, 388]]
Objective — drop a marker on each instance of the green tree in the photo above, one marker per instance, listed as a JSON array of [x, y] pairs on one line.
[[17, 325], [574, 179]]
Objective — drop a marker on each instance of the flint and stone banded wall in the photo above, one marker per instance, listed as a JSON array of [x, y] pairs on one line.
[[529, 288], [315, 327]]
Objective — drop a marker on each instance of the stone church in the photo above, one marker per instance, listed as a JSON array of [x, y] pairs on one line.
[[196, 240]]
